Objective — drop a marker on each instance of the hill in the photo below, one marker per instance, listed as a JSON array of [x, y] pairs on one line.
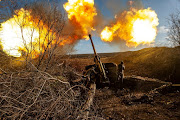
[[158, 62]]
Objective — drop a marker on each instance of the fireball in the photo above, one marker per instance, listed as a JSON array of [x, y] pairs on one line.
[[17, 33], [81, 14], [24, 34], [135, 27]]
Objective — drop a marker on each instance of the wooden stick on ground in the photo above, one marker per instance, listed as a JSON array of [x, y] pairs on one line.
[[86, 108]]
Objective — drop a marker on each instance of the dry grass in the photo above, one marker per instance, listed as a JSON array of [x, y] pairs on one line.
[[35, 94], [30, 93], [161, 63]]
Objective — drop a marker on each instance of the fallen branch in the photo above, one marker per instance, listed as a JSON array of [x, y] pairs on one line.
[[86, 108]]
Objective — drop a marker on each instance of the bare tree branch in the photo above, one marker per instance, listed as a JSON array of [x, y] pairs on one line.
[[174, 30]]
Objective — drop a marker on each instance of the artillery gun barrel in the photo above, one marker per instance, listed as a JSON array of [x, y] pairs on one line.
[[97, 61], [93, 45]]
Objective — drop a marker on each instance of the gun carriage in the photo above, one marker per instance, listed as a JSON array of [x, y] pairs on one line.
[[103, 74]]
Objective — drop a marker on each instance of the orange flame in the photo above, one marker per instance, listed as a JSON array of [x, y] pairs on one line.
[[135, 27], [81, 14], [24, 34]]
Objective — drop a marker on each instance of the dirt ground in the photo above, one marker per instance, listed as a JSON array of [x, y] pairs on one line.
[[123, 104]]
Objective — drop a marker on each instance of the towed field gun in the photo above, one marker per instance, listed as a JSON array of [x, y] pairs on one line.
[[109, 74], [103, 74]]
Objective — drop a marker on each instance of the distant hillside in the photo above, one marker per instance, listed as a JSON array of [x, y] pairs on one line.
[[159, 62], [102, 55]]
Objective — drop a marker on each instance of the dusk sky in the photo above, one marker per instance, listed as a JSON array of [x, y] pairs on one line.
[[163, 8]]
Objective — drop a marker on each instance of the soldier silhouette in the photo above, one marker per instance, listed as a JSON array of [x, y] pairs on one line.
[[121, 69]]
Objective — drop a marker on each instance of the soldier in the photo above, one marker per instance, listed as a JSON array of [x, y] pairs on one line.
[[121, 69]]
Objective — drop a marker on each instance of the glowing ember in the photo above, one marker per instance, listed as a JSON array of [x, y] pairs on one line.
[[135, 27], [81, 14]]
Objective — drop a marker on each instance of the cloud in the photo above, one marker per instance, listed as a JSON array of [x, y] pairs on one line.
[[163, 29]]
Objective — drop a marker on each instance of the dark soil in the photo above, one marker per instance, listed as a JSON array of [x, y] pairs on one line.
[[126, 105]]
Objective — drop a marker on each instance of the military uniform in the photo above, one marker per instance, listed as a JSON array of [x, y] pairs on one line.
[[121, 69]]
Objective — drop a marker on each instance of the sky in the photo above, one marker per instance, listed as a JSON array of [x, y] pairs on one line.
[[109, 8], [163, 8]]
